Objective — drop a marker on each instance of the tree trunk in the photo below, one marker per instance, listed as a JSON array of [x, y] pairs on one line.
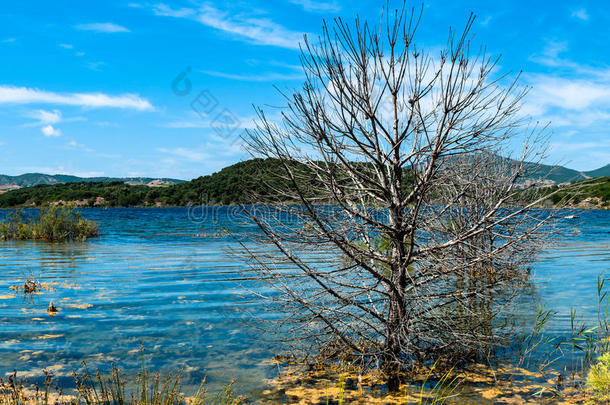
[[393, 347]]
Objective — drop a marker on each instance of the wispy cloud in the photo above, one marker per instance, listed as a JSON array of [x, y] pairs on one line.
[[263, 77], [45, 117], [575, 99], [485, 21], [569, 93], [166, 11], [108, 28], [49, 130], [581, 14], [47, 121], [25, 95], [189, 154], [256, 30], [96, 66], [66, 46], [75, 145], [9, 40], [318, 6]]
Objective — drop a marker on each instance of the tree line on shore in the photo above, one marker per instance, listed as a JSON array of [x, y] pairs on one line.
[[235, 184]]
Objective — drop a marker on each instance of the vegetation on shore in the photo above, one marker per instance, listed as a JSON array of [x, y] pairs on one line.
[[591, 193], [232, 185], [54, 224], [148, 389]]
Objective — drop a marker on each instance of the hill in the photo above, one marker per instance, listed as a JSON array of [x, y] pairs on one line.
[[232, 185], [558, 174], [601, 172], [33, 179], [590, 193]]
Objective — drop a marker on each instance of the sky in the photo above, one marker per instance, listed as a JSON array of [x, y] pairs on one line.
[[135, 88]]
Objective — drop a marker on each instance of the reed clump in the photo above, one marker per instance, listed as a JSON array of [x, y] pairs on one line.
[[149, 389], [54, 224]]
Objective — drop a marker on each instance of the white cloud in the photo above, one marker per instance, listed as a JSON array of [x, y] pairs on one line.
[[568, 93], [575, 99], [318, 6], [45, 117], [260, 31], [25, 95], [577, 146], [96, 65], [581, 14], [485, 21], [9, 40], [264, 77], [108, 28], [75, 145], [49, 130], [189, 154], [66, 46], [165, 11]]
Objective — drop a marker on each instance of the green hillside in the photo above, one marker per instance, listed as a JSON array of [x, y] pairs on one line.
[[233, 184], [33, 179], [597, 191], [601, 172], [557, 174]]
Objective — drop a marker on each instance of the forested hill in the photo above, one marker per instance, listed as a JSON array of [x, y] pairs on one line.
[[33, 179], [231, 185]]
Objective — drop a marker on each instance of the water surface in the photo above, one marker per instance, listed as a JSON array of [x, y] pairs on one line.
[[155, 278]]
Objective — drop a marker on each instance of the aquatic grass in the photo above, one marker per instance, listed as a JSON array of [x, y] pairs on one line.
[[598, 378], [54, 224], [149, 389], [444, 389]]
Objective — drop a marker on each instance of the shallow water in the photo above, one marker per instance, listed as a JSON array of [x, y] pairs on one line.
[[155, 278]]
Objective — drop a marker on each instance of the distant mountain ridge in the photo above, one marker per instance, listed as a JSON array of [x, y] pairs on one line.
[[555, 174], [601, 172], [560, 174], [33, 179], [235, 184]]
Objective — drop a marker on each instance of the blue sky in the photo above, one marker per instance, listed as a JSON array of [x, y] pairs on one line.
[[89, 88]]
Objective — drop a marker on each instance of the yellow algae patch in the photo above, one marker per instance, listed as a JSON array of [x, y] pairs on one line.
[[37, 319], [73, 316], [490, 393], [7, 296], [181, 297], [48, 336], [79, 306]]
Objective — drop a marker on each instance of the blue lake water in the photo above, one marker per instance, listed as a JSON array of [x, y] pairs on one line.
[[155, 278]]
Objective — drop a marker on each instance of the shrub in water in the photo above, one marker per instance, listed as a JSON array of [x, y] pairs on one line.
[[56, 224]]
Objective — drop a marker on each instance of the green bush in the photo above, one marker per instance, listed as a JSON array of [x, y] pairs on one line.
[[55, 224], [598, 379]]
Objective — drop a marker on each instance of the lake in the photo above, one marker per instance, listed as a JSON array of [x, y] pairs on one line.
[[163, 278]]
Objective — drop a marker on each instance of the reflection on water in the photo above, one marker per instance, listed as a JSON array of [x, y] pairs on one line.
[[151, 280]]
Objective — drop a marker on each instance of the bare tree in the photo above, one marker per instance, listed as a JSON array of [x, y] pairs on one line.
[[391, 237]]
